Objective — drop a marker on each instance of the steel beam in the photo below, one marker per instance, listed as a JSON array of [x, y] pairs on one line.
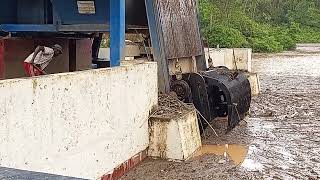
[[157, 41], [54, 28], [117, 31], [28, 28]]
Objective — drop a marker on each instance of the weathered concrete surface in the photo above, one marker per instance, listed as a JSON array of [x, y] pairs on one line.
[[217, 56], [177, 138], [281, 133], [237, 58], [80, 124], [131, 51], [254, 83], [182, 66]]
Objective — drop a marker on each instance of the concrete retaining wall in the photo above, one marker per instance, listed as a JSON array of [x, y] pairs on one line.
[[80, 124], [237, 58]]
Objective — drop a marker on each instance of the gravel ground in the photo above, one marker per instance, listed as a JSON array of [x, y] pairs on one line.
[[282, 133]]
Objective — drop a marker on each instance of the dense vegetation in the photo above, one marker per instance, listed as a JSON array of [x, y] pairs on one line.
[[264, 25]]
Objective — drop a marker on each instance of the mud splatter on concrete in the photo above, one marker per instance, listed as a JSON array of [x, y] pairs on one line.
[[282, 133]]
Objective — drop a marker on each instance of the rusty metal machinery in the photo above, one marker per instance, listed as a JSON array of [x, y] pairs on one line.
[[215, 92], [218, 92], [178, 49]]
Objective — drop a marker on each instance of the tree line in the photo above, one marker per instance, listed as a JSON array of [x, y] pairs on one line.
[[264, 25]]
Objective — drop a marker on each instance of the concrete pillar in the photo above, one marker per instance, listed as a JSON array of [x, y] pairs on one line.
[[117, 31]]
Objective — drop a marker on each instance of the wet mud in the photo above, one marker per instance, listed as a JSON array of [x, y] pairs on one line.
[[279, 140]]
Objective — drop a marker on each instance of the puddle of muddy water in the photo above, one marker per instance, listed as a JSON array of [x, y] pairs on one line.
[[238, 154]]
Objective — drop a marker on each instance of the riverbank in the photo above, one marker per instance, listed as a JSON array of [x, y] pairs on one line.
[[279, 140]]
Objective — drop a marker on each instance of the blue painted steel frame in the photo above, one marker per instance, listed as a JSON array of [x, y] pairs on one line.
[[117, 31], [54, 28], [157, 41], [28, 28], [116, 28]]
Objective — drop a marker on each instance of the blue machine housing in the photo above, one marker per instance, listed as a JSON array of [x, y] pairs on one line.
[[74, 19], [64, 16]]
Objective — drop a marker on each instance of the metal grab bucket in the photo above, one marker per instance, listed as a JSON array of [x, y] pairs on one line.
[[229, 94], [219, 92]]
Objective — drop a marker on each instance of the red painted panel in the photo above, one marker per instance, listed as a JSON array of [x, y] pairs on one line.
[[2, 59], [84, 54], [16, 50], [126, 166]]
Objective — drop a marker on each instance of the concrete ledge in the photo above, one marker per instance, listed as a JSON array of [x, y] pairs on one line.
[[81, 124]]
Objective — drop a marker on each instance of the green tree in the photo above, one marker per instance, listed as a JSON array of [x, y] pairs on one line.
[[264, 25]]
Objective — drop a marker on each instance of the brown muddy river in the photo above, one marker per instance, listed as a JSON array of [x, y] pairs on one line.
[[280, 139]]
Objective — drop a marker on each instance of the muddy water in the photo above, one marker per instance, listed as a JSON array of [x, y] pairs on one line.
[[280, 139], [234, 152]]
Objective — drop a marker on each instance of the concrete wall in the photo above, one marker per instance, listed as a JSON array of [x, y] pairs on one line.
[[237, 58], [80, 124], [130, 52], [182, 65], [217, 56]]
